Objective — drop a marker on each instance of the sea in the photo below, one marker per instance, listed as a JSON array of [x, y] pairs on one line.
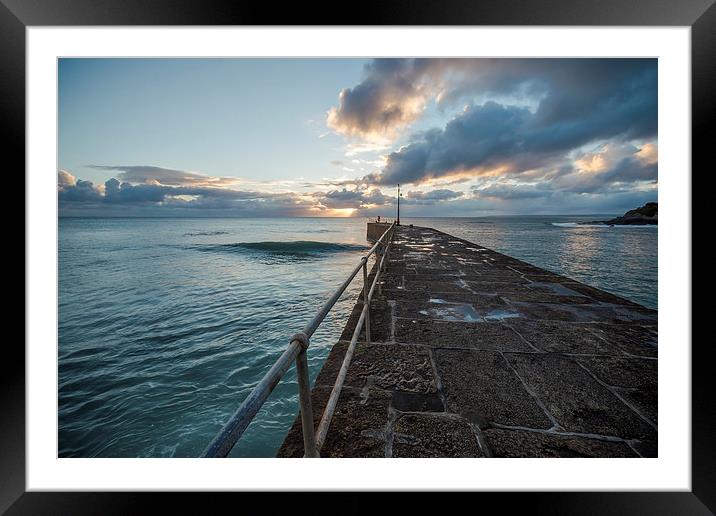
[[165, 325]]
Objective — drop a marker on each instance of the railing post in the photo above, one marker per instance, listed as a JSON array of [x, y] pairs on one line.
[[304, 397], [366, 302], [379, 256]]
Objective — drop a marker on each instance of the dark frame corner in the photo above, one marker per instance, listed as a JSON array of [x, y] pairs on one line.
[[700, 15]]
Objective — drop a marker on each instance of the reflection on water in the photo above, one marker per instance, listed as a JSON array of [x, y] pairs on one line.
[[622, 260]]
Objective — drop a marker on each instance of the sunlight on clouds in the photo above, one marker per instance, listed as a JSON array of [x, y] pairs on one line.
[[339, 212], [648, 154], [593, 163]]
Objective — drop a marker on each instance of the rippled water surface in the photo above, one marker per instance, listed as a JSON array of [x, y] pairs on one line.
[[165, 325]]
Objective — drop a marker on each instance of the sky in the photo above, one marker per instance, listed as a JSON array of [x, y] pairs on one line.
[[334, 137]]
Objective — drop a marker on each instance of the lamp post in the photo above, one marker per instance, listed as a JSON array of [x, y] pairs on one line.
[[398, 222]]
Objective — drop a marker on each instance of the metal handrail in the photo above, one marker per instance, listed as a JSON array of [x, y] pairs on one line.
[[313, 440], [383, 220]]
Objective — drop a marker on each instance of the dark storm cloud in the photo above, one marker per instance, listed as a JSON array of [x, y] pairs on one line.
[[617, 179], [493, 135], [508, 191], [80, 192], [572, 102], [394, 92], [432, 197], [626, 172]]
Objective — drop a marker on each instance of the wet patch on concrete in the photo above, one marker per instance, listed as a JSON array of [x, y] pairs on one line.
[[547, 311], [500, 315], [450, 312], [554, 288]]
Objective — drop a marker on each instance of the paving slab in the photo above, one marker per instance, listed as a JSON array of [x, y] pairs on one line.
[[443, 334], [561, 337], [429, 435], [518, 443], [624, 372], [405, 368], [481, 386], [576, 399], [635, 340]]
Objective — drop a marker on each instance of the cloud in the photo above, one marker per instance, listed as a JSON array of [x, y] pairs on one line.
[[526, 134], [512, 191], [622, 175], [65, 179], [522, 135], [394, 93], [77, 196], [494, 136], [71, 189], [122, 198], [165, 176], [355, 199], [433, 196]]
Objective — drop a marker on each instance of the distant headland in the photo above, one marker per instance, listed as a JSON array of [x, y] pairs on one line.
[[647, 214]]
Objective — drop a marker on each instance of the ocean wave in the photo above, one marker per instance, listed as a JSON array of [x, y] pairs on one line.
[[207, 233], [580, 225], [297, 248]]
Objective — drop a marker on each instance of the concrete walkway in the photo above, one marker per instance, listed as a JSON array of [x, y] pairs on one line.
[[477, 354]]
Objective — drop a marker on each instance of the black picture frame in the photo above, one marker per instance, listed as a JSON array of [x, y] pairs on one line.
[[700, 15]]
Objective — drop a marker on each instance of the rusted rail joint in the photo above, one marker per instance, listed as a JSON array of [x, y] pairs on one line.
[[302, 339]]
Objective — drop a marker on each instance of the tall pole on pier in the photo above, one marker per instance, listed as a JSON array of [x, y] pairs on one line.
[[398, 205]]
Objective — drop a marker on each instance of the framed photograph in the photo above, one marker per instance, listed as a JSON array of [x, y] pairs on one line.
[[416, 249]]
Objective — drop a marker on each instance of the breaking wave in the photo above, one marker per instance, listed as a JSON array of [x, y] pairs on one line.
[[207, 233], [580, 225], [298, 248]]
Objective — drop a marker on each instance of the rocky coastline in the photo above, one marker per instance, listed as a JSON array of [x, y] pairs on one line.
[[645, 215]]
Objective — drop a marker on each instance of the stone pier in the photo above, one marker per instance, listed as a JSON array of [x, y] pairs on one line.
[[477, 354]]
